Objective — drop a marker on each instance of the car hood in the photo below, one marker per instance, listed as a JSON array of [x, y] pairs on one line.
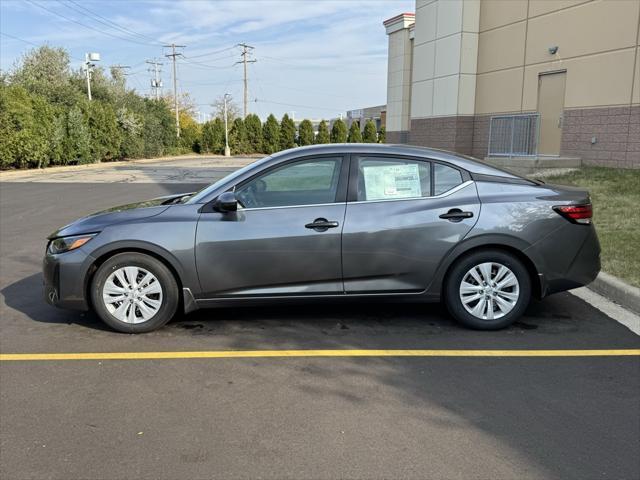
[[133, 211]]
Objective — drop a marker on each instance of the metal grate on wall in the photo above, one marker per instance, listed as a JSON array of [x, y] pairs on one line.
[[514, 135]]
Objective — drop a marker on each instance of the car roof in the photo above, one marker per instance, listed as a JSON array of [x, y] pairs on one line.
[[465, 162]]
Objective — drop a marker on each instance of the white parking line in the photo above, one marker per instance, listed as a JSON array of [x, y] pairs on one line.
[[606, 306]]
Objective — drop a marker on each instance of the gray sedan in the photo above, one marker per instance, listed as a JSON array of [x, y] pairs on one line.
[[331, 222]]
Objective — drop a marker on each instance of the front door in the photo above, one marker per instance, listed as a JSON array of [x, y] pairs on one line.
[[551, 106], [406, 215], [283, 240]]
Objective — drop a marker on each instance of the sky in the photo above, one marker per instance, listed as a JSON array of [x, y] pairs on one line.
[[314, 58]]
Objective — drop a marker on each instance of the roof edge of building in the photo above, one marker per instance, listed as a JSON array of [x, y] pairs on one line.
[[403, 20]]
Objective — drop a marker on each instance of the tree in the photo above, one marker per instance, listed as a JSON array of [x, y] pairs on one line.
[[190, 132], [78, 139], [287, 133], [305, 133], [271, 135], [106, 137], [213, 136], [26, 125], [44, 71], [233, 110], [338, 132], [323, 133], [370, 134], [238, 137], [130, 123], [382, 135], [159, 131], [253, 126], [354, 133]]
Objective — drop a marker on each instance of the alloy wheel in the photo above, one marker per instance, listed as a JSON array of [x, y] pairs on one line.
[[489, 291], [132, 294]]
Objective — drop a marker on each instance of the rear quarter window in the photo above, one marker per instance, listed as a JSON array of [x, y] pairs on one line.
[[445, 178]]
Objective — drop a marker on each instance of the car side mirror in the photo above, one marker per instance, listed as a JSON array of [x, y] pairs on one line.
[[226, 202]]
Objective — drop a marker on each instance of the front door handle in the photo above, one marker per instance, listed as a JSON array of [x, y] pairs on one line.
[[321, 225], [456, 215]]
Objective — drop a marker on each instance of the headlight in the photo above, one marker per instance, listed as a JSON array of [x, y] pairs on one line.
[[66, 244]]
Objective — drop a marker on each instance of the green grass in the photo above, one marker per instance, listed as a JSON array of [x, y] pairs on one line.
[[615, 194]]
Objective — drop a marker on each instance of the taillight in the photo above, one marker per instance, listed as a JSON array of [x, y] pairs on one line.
[[576, 213]]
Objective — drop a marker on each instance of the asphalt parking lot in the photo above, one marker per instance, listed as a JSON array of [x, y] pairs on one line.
[[304, 417]]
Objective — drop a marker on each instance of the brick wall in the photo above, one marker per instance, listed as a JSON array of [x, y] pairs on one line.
[[396, 137], [617, 134], [449, 133], [481, 136], [617, 131]]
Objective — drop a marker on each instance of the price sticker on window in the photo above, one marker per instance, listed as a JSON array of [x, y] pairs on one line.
[[392, 181]]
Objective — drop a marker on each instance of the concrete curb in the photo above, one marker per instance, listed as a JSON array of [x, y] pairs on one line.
[[618, 291]]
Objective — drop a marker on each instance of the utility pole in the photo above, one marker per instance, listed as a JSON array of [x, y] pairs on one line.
[[173, 56], [227, 150], [88, 65], [246, 50], [156, 83]]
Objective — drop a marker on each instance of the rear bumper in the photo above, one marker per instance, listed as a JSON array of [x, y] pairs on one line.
[[581, 270], [64, 279]]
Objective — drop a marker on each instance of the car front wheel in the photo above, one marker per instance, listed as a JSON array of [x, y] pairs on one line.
[[134, 293], [488, 290]]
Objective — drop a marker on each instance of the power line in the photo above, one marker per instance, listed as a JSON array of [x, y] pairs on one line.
[[246, 50], [258, 100], [213, 52], [20, 39], [53, 12], [111, 23], [205, 65], [34, 44]]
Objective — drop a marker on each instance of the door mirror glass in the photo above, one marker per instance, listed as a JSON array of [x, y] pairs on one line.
[[226, 202]]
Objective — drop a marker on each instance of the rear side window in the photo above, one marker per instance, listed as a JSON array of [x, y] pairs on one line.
[[391, 178], [445, 178]]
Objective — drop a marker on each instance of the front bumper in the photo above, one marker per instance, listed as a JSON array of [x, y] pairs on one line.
[[64, 279]]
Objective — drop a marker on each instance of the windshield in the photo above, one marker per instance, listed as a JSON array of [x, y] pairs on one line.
[[203, 193]]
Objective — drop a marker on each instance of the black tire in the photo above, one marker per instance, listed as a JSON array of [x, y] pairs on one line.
[[459, 270], [170, 294]]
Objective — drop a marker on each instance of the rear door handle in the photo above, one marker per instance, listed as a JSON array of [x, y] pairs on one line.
[[321, 225], [456, 215]]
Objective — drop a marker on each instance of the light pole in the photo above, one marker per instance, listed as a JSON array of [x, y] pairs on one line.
[[227, 150], [88, 58]]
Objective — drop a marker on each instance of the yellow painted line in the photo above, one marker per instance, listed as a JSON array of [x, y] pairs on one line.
[[13, 357]]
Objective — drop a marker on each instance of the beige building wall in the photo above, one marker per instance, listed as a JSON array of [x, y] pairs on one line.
[[445, 54], [597, 46], [400, 55], [477, 58]]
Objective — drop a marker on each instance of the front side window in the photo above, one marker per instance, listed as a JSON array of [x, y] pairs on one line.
[[391, 178], [307, 182]]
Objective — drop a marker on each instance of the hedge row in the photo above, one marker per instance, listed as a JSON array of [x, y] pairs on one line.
[[252, 136], [47, 119]]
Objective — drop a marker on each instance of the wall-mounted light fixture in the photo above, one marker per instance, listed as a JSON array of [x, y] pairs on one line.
[[553, 50]]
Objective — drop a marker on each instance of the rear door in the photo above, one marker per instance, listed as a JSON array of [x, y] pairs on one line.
[[403, 215]]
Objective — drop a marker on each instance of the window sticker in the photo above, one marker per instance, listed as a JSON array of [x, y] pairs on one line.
[[392, 181]]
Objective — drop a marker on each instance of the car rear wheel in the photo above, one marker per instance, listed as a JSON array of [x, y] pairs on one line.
[[488, 290], [134, 293]]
